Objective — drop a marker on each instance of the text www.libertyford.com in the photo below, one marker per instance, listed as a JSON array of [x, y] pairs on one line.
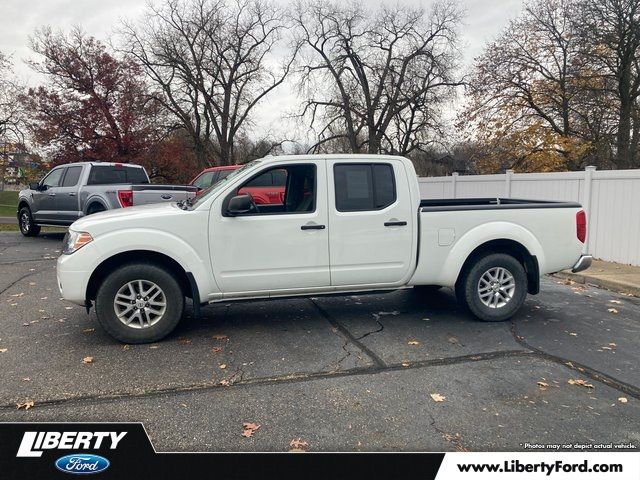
[[515, 466]]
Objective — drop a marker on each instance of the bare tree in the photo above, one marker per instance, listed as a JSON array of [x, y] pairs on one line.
[[364, 71], [610, 34], [525, 93], [211, 60], [11, 118]]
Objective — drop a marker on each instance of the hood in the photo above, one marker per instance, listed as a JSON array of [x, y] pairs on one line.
[[128, 216]]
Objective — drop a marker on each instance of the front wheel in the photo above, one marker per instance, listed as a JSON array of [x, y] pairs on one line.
[[494, 287], [28, 228], [139, 303]]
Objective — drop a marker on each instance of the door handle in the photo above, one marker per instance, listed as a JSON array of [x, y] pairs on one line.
[[312, 227], [72, 194], [395, 224], [52, 194]]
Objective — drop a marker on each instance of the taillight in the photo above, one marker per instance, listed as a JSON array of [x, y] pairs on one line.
[[125, 197], [581, 226]]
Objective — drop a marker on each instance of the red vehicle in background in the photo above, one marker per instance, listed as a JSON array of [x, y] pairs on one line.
[[266, 189]]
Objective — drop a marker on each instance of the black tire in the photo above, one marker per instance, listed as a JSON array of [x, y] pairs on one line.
[[147, 273], [28, 227], [95, 208], [468, 288]]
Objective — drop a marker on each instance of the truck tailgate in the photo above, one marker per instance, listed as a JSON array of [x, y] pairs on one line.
[[145, 194]]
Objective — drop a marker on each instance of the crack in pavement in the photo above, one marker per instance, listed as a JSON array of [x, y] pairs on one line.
[[295, 377], [454, 439], [377, 361], [592, 373], [30, 274]]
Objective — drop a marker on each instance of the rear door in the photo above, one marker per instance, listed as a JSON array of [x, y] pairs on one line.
[[371, 223], [67, 202], [44, 200]]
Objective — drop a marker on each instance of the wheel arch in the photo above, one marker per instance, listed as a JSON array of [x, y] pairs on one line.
[[510, 247], [94, 201], [185, 279]]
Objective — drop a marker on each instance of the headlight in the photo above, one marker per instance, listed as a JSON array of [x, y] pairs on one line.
[[74, 241]]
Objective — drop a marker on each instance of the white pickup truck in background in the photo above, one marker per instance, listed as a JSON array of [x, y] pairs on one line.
[[348, 223]]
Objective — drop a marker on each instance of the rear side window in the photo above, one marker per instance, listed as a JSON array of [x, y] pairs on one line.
[[224, 174], [72, 176], [364, 186], [108, 174]]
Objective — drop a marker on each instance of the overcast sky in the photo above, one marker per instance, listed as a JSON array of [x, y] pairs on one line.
[[484, 20]]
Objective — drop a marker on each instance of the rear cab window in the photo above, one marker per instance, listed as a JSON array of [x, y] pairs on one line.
[[111, 174], [363, 186]]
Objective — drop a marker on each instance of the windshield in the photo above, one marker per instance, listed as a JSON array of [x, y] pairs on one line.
[[221, 183]]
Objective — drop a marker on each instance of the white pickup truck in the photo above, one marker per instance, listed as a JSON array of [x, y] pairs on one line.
[[348, 223]]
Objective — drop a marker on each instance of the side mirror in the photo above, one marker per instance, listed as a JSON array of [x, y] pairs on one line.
[[34, 186], [240, 204]]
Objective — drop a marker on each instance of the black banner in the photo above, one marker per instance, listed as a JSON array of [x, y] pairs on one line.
[[123, 450]]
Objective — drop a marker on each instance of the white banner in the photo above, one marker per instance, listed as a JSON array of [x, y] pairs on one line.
[[540, 465]]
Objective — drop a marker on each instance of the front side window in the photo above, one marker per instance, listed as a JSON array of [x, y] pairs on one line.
[[363, 186], [299, 183], [53, 179]]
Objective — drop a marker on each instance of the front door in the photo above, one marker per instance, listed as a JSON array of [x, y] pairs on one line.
[[44, 199], [278, 248], [370, 223]]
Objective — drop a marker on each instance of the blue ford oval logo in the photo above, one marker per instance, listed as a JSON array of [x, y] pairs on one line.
[[82, 463]]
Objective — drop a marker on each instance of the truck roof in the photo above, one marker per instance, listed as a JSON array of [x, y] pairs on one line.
[[108, 164], [332, 156]]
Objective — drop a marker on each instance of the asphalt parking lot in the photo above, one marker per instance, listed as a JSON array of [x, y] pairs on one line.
[[345, 373]]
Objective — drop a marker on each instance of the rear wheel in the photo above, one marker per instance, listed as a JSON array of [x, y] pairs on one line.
[[95, 208], [28, 228], [139, 303], [494, 287]]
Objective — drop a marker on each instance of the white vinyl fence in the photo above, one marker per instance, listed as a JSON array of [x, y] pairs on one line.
[[611, 199]]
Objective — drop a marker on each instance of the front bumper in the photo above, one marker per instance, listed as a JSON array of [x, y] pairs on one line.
[[582, 264]]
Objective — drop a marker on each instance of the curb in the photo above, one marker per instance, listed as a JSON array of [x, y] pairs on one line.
[[615, 286], [9, 220]]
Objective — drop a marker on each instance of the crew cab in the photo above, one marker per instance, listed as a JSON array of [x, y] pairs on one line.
[[74, 190], [348, 223], [265, 189]]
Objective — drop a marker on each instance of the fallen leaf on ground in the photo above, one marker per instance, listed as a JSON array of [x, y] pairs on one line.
[[573, 334], [216, 349], [26, 405], [88, 330], [580, 382], [436, 397], [615, 301], [623, 400], [2, 350], [17, 294], [413, 342], [405, 364], [26, 379], [612, 344], [223, 366], [225, 383], [249, 429], [543, 385], [68, 308], [219, 337], [612, 310], [87, 360], [298, 445]]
